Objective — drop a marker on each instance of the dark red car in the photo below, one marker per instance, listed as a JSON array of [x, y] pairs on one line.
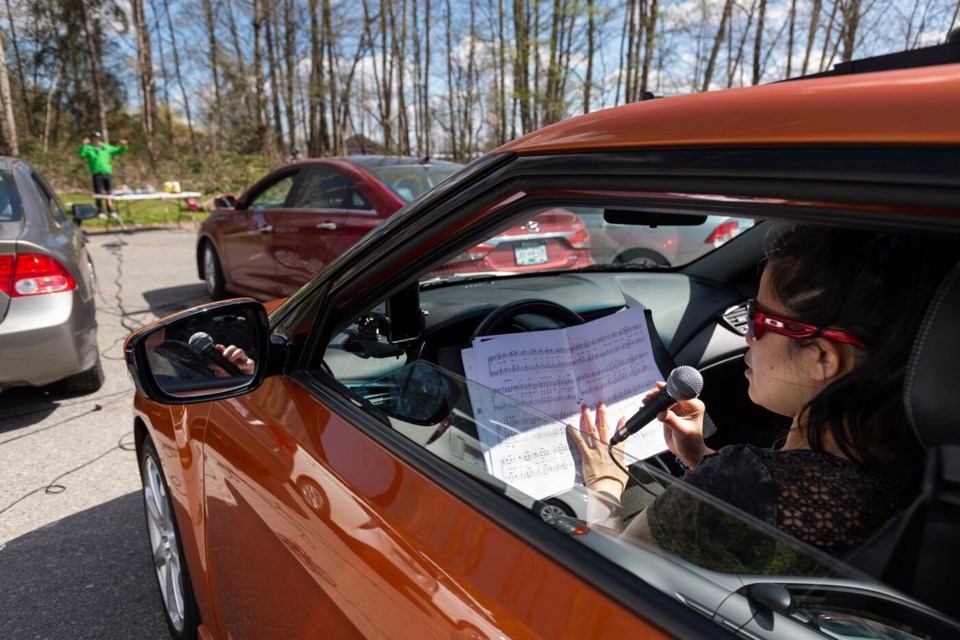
[[296, 220]]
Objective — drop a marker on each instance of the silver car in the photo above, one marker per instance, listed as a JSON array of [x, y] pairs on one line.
[[48, 324], [664, 245]]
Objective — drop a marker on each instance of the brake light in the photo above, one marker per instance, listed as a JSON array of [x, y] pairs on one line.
[[33, 274], [580, 239], [723, 233]]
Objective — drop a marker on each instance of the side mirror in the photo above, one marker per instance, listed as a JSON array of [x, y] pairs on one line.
[[225, 201], [215, 351], [83, 212]]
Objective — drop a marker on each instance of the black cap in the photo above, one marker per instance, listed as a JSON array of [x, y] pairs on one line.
[[96, 134]]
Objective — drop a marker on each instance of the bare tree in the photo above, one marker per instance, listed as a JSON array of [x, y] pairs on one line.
[[213, 50], [18, 60], [148, 95], [8, 125], [717, 41], [93, 53], [758, 41], [811, 34]]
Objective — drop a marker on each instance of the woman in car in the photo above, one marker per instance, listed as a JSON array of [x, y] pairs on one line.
[[829, 338]]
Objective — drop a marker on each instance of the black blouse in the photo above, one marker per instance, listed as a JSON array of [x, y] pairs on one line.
[[828, 502]]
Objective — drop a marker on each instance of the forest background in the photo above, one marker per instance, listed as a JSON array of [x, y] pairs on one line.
[[213, 93]]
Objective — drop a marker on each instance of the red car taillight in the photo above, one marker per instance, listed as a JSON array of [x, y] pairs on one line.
[[580, 239], [723, 233], [33, 274]]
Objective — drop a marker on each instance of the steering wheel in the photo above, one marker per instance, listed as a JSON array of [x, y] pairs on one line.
[[508, 317]]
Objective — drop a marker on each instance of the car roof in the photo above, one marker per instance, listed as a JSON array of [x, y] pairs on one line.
[[912, 106], [386, 161], [7, 163]]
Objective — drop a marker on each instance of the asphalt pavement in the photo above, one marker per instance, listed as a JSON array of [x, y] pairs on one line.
[[74, 558]]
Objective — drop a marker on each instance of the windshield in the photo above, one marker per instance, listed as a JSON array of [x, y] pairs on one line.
[[410, 181]]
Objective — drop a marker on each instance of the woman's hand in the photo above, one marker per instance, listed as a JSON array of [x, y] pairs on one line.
[[237, 357], [683, 428], [600, 472]]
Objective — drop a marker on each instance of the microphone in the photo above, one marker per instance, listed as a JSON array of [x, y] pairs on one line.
[[202, 344], [683, 383]]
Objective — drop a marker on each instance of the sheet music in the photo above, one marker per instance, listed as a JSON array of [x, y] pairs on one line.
[[609, 360]]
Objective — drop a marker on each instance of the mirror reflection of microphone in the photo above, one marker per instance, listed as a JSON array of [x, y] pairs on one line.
[[683, 383], [231, 359]]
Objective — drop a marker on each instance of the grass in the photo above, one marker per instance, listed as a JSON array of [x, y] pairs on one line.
[[143, 212]]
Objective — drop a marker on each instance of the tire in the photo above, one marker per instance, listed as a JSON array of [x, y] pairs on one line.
[[169, 563], [643, 257], [213, 272], [86, 381]]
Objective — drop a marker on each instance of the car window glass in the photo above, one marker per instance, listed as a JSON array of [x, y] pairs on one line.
[[661, 246], [50, 199], [321, 188], [357, 201], [9, 209], [410, 181], [273, 196]]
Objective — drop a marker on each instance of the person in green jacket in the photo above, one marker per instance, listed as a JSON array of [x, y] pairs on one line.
[[98, 153]]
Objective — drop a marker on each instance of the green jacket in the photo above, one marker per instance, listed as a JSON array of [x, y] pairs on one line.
[[98, 158]]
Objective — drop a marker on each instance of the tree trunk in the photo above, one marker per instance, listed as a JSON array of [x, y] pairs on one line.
[[215, 75], [27, 102], [651, 33], [179, 77], [521, 66], [717, 41], [289, 55], [758, 42], [148, 114], [269, 27], [93, 53], [8, 125], [851, 22], [588, 75], [259, 80], [47, 115], [811, 35]]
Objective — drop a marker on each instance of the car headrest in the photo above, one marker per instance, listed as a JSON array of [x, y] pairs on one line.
[[930, 394]]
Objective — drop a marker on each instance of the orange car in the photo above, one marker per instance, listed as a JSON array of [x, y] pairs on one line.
[[348, 464]]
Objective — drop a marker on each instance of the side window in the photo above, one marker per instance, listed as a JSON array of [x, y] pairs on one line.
[[321, 188], [274, 196], [50, 202], [357, 201], [9, 209]]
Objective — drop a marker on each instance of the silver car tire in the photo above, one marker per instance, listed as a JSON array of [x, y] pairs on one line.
[[213, 272], [173, 579]]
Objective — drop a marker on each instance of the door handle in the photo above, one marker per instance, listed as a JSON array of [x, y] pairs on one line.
[[266, 229], [327, 226]]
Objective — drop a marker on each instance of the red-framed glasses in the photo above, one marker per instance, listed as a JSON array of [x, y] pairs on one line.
[[759, 321]]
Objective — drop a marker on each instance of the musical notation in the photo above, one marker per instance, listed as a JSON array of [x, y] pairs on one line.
[[533, 385]]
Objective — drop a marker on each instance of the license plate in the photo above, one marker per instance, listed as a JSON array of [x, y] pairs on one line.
[[527, 253]]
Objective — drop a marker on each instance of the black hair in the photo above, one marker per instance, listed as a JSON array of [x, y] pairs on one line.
[[874, 286]]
